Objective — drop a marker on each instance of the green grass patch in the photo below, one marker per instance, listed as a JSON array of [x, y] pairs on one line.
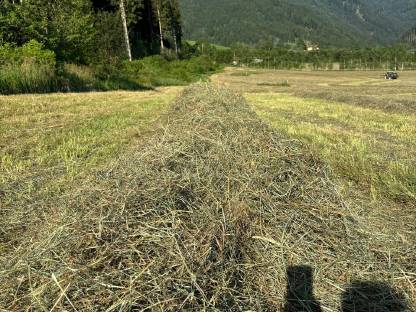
[[217, 46], [154, 71], [284, 83], [66, 135], [36, 78], [368, 146], [157, 71], [244, 73]]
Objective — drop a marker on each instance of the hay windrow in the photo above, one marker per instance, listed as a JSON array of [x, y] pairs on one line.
[[205, 215]]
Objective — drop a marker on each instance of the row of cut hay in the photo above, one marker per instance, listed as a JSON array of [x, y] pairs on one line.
[[205, 216]]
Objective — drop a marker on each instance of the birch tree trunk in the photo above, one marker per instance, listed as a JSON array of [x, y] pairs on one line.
[[173, 29], [176, 42], [125, 29], [162, 46]]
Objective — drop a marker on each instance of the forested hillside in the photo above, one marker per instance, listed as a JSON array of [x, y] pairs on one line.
[[328, 22]]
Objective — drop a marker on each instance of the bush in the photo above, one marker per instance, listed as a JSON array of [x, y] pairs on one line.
[[32, 69], [157, 71], [32, 52], [201, 65], [27, 78], [29, 68]]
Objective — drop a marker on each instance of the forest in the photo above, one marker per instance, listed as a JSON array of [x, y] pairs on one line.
[[85, 31], [76, 45]]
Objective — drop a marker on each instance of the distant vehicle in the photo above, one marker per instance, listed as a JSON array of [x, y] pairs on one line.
[[390, 75]]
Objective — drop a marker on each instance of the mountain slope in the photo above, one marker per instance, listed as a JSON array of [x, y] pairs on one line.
[[329, 22]]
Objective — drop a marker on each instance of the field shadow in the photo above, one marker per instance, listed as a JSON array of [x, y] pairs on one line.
[[359, 296], [70, 82], [365, 296], [299, 295]]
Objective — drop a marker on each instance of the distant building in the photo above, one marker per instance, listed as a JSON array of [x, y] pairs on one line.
[[310, 47]]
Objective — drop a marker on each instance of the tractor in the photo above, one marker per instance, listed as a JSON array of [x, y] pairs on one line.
[[391, 75]]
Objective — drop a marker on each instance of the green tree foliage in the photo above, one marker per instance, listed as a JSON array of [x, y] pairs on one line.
[[64, 26], [77, 45], [108, 41], [174, 23], [170, 22], [87, 31], [27, 68], [31, 52]]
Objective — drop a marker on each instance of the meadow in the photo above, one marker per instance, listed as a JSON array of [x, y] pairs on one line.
[[362, 125], [50, 141], [96, 187]]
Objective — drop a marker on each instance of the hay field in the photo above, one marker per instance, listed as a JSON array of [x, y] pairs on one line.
[[362, 125], [285, 199], [363, 88], [64, 135]]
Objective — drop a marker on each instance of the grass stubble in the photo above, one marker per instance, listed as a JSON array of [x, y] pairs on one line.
[[206, 214], [368, 147]]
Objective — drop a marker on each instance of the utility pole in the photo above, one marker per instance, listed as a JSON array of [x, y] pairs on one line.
[[125, 29]]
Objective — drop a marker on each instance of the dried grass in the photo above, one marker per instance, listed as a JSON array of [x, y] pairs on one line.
[[205, 216]]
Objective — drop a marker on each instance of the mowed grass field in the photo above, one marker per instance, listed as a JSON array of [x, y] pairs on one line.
[[55, 147], [49, 140], [373, 148], [361, 124]]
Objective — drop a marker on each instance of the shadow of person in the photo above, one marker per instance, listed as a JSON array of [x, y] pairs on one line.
[[372, 297], [299, 295]]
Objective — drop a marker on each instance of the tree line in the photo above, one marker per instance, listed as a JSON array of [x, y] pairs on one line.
[[295, 56], [93, 31], [91, 45]]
